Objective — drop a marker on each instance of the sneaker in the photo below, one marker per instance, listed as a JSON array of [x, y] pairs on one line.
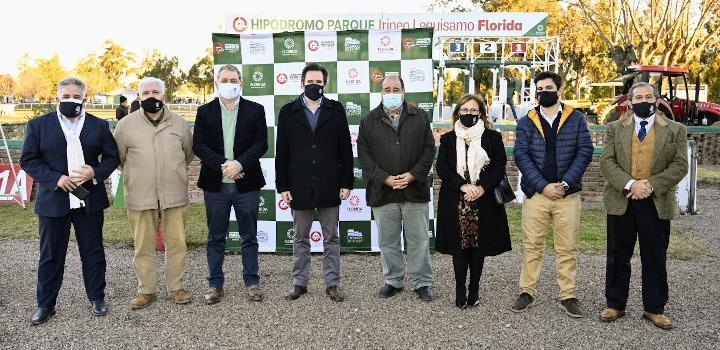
[[387, 291], [254, 293], [213, 295], [571, 308], [334, 294], [141, 300], [180, 296], [523, 302], [424, 293]]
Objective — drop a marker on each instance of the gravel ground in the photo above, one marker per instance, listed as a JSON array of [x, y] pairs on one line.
[[363, 321], [705, 226]]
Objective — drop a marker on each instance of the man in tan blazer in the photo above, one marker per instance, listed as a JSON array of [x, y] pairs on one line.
[[645, 157]]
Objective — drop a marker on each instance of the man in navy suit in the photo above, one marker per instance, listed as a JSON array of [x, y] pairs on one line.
[[230, 137], [67, 151]]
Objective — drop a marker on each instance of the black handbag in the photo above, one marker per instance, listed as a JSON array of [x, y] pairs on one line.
[[504, 192]]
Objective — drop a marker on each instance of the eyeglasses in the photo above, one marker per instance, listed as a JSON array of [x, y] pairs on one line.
[[469, 111]]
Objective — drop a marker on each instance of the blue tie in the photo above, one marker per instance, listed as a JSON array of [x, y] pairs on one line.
[[643, 131]]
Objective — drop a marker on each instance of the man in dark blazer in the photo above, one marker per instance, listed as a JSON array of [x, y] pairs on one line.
[[313, 173], [644, 159], [65, 151], [230, 137]]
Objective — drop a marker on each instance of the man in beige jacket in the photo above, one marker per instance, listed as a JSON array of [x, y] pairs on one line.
[[155, 148]]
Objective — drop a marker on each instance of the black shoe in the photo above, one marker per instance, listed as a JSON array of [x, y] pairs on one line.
[[387, 291], [460, 298], [424, 293], [523, 302], [295, 292], [473, 299], [42, 315], [571, 308], [99, 308]]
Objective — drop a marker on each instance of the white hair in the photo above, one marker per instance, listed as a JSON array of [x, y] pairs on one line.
[[72, 81], [151, 80]]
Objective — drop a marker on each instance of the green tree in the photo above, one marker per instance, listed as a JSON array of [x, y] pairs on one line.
[[200, 75], [116, 63], [168, 70]]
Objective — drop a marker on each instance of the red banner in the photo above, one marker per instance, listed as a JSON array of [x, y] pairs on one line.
[[9, 187]]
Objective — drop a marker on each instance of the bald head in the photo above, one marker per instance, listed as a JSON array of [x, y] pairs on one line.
[[393, 84]]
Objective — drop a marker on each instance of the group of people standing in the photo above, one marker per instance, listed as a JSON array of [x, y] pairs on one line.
[[70, 153]]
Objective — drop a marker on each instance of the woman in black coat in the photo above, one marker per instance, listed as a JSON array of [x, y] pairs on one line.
[[470, 224]]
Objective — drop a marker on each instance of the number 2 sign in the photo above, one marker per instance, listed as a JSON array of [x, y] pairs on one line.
[[9, 186]]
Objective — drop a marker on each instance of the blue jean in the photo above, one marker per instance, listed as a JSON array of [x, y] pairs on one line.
[[217, 209]]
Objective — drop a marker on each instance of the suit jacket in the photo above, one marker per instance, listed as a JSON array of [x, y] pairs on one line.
[[250, 144], [44, 158], [313, 165], [670, 165]]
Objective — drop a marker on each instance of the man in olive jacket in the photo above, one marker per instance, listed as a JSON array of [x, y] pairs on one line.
[[645, 157], [396, 148]]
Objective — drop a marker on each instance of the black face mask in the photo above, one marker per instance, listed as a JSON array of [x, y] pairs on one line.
[[468, 120], [548, 98], [151, 105], [70, 109], [313, 91], [644, 109]]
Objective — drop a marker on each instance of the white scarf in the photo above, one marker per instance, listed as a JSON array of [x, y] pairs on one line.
[[75, 157], [477, 158]]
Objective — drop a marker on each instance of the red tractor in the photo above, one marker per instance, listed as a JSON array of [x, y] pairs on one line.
[[675, 101]]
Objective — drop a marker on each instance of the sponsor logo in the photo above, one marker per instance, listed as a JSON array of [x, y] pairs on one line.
[[290, 235], [357, 173], [408, 43], [384, 46], [258, 82], [353, 109], [234, 235], [290, 49], [353, 78], [257, 48], [282, 204], [425, 105], [354, 137], [352, 45], [416, 75], [327, 44], [262, 208], [218, 48], [239, 24], [377, 75], [316, 236], [354, 236], [423, 42], [257, 76], [263, 237], [281, 78], [232, 48], [313, 45], [385, 40], [355, 206]]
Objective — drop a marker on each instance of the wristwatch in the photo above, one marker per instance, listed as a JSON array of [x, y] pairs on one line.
[[565, 185]]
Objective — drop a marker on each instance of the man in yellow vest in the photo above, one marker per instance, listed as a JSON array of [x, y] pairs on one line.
[[645, 157]]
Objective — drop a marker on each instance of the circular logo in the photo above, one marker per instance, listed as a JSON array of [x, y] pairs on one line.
[[239, 24], [313, 45], [289, 43], [281, 78], [353, 137], [352, 73], [290, 233], [282, 204], [218, 47], [316, 236], [257, 76], [385, 41], [408, 43], [377, 75], [355, 201]]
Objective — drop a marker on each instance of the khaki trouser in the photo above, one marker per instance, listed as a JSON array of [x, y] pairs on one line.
[[538, 213], [143, 225]]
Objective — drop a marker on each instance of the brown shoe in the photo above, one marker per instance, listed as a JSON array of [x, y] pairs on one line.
[[658, 320], [609, 314], [335, 294], [180, 296], [295, 292], [213, 295], [141, 300], [254, 293]]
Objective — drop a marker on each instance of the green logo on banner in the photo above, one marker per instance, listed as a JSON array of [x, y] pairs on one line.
[[361, 178], [226, 49], [284, 234], [266, 209], [416, 44], [352, 46], [422, 100], [356, 106], [233, 241], [271, 143], [355, 235], [539, 29], [379, 70], [289, 47], [280, 101], [258, 79]]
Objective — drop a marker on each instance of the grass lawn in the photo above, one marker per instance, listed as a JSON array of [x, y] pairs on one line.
[[20, 223], [709, 175]]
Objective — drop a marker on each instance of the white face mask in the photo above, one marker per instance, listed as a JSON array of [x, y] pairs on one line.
[[228, 91]]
